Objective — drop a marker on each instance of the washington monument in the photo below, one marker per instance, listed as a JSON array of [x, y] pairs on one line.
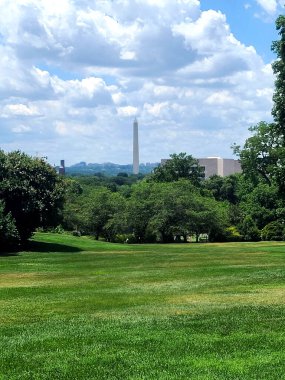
[[135, 147]]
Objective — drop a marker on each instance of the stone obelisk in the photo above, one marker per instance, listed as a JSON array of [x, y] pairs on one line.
[[135, 147]]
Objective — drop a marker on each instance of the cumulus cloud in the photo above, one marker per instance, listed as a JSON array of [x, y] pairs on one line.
[[271, 7], [74, 74], [20, 110]]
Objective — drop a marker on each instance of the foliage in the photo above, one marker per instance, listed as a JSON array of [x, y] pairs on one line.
[[278, 47], [258, 156], [263, 155], [73, 205], [261, 204], [31, 190], [101, 210], [9, 236], [233, 234], [249, 229], [140, 209], [179, 166], [149, 211], [273, 231], [166, 210], [223, 188]]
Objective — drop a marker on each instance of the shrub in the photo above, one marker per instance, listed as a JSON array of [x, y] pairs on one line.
[[76, 233], [123, 238], [249, 229], [233, 234], [273, 231]]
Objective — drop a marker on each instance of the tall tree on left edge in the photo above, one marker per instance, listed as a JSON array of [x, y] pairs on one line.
[[31, 192]]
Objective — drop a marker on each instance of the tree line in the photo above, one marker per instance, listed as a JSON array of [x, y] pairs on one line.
[[172, 204], [175, 203]]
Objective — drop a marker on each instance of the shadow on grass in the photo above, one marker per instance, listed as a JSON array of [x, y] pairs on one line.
[[36, 246], [8, 253], [41, 247]]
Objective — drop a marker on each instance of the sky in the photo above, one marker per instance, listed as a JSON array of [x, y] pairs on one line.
[[75, 73]]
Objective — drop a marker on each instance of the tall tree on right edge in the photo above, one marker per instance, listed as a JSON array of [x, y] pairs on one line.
[[278, 110], [278, 47], [263, 155]]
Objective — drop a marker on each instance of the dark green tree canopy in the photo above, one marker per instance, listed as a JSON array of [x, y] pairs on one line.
[[263, 155], [31, 191], [9, 236], [278, 110], [259, 155], [179, 166]]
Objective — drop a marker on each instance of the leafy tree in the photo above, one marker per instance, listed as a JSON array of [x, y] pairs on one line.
[[117, 222], [259, 156], [261, 204], [179, 166], [249, 229], [72, 187], [100, 210], [232, 234], [140, 209], [73, 215], [207, 217], [9, 236], [273, 231], [169, 210], [32, 192], [263, 155], [278, 67], [223, 188], [166, 210]]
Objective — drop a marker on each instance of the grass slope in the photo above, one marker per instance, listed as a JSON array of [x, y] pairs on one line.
[[72, 308]]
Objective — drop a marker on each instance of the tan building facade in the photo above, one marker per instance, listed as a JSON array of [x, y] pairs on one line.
[[219, 166]]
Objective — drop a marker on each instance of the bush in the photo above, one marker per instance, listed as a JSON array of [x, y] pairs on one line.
[[249, 229], [76, 233], [9, 236], [273, 231], [58, 229], [123, 238], [233, 234]]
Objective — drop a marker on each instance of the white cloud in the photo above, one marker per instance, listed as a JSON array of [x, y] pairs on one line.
[[220, 98], [270, 6], [127, 111], [73, 74], [21, 129], [20, 110]]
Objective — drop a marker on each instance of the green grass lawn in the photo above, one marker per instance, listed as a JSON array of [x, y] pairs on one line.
[[73, 308]]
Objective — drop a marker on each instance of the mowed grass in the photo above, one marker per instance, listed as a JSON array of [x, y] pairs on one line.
[[73, 308]]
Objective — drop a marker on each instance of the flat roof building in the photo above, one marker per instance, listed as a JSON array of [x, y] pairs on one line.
[[217, 166]]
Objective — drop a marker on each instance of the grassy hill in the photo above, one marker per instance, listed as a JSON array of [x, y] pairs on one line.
[[73, 308]]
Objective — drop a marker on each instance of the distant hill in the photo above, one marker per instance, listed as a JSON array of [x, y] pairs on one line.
[[107, 168]]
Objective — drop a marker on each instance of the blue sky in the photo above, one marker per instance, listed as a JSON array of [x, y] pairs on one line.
[[75, 73], [249, 22]]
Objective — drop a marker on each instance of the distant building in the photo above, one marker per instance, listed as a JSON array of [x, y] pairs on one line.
[[217, 166], [61, 169]]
